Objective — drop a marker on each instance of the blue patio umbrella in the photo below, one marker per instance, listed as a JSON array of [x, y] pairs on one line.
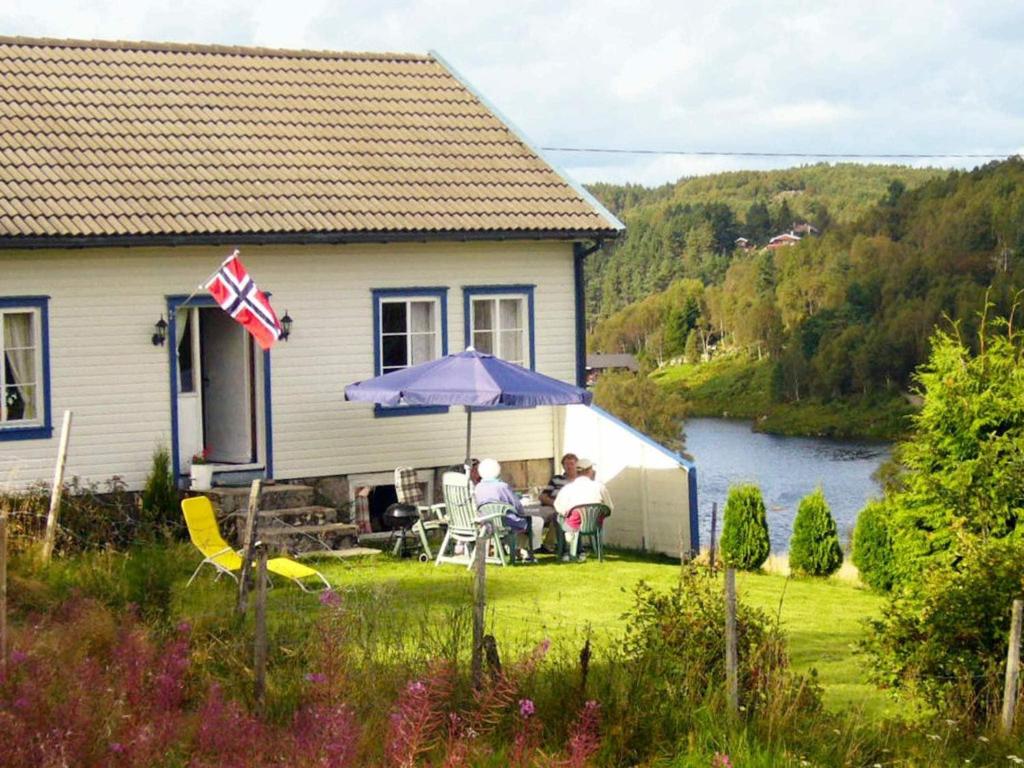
[[468, 378]]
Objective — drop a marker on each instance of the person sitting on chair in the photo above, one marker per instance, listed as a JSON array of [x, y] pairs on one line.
[[583, 490], [492, 488]]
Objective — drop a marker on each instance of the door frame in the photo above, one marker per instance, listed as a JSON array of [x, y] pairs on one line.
[[174, 303]]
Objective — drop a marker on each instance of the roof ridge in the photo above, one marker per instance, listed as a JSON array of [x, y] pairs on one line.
[[214, 49]]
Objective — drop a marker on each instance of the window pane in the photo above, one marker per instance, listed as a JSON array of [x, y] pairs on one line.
[[392, 315], [394, 352], [483, 314], [183, 323], [483, 341], [512, 346], [20, 376], [422, 316], [511, 314], [423, 349], [26, 405]]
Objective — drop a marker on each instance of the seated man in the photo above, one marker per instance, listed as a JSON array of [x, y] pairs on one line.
[[492, 488], [583, 490], [550, 493]]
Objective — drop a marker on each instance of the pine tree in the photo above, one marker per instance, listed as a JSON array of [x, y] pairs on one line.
[[745, 542], [814, 547]]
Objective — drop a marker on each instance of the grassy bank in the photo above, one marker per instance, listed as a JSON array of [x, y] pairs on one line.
[[740, 387]]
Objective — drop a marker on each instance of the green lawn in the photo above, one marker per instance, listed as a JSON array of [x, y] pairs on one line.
[[529, 603]]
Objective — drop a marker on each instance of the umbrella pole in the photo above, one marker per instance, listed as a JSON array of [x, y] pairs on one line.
[[469, 435]]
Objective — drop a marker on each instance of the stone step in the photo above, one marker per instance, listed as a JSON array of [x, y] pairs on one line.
[[278, 496], [314, 514], [341, 554], [270, 532]]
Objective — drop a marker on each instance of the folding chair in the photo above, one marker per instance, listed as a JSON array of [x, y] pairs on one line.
[[205, 535]]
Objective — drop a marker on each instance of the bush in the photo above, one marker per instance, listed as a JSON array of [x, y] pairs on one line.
[[945, 636], [644, 405], [872, 546], [745, 542], [814, 547], [160, 496]]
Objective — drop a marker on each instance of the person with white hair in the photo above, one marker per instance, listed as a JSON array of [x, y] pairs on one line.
[[492, 488]]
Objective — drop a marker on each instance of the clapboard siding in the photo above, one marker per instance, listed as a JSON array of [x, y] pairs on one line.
[[103, 304]]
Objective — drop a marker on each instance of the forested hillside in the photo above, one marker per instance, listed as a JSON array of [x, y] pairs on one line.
[[848, 313], [689, 229]]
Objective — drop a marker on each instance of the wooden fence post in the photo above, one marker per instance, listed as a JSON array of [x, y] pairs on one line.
[[248, 541], [479, 605], [57, 491], [259, 656], [731, 675], [1010, 690], [3, 587], [714, 531]]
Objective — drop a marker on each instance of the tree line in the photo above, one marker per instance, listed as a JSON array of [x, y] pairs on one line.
[[849, 312]]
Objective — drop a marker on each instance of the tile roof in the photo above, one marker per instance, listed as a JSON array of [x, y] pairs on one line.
[[143, 140]]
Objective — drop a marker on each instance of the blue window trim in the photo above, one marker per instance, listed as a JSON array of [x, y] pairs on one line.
[[45, 430], [469, 291], [441, 294], [175, 303]]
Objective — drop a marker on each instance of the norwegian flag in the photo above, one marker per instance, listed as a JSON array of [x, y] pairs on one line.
[[238, 295]]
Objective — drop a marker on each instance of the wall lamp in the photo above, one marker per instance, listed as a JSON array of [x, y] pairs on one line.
[[286, 326], [160, 334]]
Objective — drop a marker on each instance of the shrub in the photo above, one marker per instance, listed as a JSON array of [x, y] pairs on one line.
[[872, 546], [644, 405], [814, 547], [160, 495], [745, 542], [944, 637]]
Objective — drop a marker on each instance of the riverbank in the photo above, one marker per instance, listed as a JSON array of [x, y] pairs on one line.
[[738, 387]]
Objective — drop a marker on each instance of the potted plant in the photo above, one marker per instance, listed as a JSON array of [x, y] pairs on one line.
[[201, 471]]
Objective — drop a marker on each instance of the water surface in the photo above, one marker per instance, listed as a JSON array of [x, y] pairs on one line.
[[786, 468]]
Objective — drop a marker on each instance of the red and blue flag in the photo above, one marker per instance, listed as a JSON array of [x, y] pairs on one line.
[[237, 294]]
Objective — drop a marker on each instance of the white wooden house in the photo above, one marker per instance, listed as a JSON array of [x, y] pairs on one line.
[[382, 202]]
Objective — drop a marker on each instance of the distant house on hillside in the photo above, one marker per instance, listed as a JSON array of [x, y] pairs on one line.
[[743, 244], [598, 364], [783, 240], [805, 228]]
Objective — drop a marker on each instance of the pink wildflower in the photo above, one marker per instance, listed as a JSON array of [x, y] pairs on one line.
[[721, 760], [526, 708], [330, 598]]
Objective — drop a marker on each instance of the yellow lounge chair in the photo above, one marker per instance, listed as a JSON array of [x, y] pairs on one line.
[[205, 534]]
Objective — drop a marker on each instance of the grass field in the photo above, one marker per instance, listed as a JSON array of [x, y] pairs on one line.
[[526, 604]]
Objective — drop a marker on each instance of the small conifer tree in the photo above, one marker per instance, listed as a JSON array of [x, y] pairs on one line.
[[160, 495], [745, 542], [872, 547], [814, 547]]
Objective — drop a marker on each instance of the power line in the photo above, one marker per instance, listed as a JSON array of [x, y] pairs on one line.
[[813, 155]]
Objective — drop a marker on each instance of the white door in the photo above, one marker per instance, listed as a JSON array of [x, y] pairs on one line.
[[227, 389], [190, 397]]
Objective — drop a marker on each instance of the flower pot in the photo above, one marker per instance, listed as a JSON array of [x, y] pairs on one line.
[[202, 477]]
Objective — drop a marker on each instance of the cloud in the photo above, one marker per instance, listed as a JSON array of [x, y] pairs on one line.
[[792, 76]]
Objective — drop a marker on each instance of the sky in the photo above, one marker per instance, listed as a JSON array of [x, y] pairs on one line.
[[816, 77]]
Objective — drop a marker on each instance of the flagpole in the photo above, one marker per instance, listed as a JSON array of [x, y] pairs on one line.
[[207, 279]]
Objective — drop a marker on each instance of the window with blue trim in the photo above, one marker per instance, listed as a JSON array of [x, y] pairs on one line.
[[499, 321], [410, 327], [24, 368]]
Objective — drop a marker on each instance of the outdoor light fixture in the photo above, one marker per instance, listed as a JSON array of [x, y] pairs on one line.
[[160, 336], [286, 326]]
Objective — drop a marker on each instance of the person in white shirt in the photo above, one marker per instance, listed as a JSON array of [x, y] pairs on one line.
[[583, 490]]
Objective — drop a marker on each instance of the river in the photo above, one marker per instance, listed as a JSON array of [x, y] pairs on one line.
[[786, 469]]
